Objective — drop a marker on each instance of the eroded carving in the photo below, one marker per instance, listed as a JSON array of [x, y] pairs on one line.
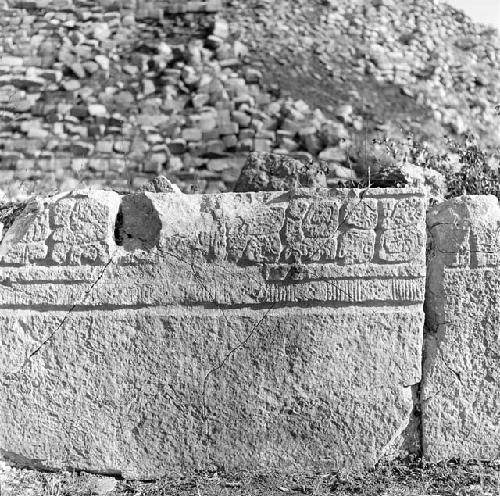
[[217, 241], [312, 229], [267, 221], [321, 220], [262, 249], [361, 214], [453, 244], [317, 249], [237, 238], [26, 241], [297, 208], [356, 246], [486, 245], [402, 212], [345, 291], [81, 231], [401, 245], [310, 232]]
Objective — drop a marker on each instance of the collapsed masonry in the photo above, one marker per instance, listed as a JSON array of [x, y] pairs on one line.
[[157, 332], [114, 93]]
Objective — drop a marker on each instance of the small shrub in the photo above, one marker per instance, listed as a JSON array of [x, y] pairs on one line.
[[464, 165]]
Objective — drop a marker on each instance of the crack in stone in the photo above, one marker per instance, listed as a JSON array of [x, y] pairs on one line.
[[257, 326], [196, 269], [10, 375], [233, 350], [455, 373]]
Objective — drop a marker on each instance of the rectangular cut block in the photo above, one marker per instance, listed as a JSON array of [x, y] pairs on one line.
[[249, 330], [72, 228], [461, 381], [123, 390]]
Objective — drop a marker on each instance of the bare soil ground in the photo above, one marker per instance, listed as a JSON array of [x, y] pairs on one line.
[[387, 479]]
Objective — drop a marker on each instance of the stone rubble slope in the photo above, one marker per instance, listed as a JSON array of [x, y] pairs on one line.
[[434, 54], [112, 94], [98, 95]]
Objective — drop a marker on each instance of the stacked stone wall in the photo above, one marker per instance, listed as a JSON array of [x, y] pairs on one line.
[[114, 93]]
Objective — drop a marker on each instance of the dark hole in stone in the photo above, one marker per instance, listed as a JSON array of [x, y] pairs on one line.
[[118, 228], [138, 224]]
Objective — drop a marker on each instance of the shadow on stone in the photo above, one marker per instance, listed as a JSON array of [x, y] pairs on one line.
[[138, 224]]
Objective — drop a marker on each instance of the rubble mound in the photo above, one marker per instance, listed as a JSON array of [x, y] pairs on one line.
[[420, 65], [273, 172], [110, 94], [160, 184]]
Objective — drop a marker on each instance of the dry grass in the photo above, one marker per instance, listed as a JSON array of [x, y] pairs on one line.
[[387, 479]]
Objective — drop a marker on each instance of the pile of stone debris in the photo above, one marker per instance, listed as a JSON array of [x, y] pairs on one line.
[[102, 95], [112, 93], [433, 53]]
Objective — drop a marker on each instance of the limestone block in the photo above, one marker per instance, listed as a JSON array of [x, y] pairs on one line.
[[70, 228], [432, 181], [127, 391], [246, 330], [267, 172], [460, 389], [26, 240]]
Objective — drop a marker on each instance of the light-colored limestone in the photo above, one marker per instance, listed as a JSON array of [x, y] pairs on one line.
[[460, 390], [250, 330], [430, 180], [124, 391], [70, 228]]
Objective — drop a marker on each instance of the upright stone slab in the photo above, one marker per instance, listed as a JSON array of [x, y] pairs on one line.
[[461, 384], [251, 331]]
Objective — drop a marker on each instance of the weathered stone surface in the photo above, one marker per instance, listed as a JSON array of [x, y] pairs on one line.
[[130, 396], [432, 181], [248, 330], [160, 184], [70, 228], [460, 390], [272, 172]]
